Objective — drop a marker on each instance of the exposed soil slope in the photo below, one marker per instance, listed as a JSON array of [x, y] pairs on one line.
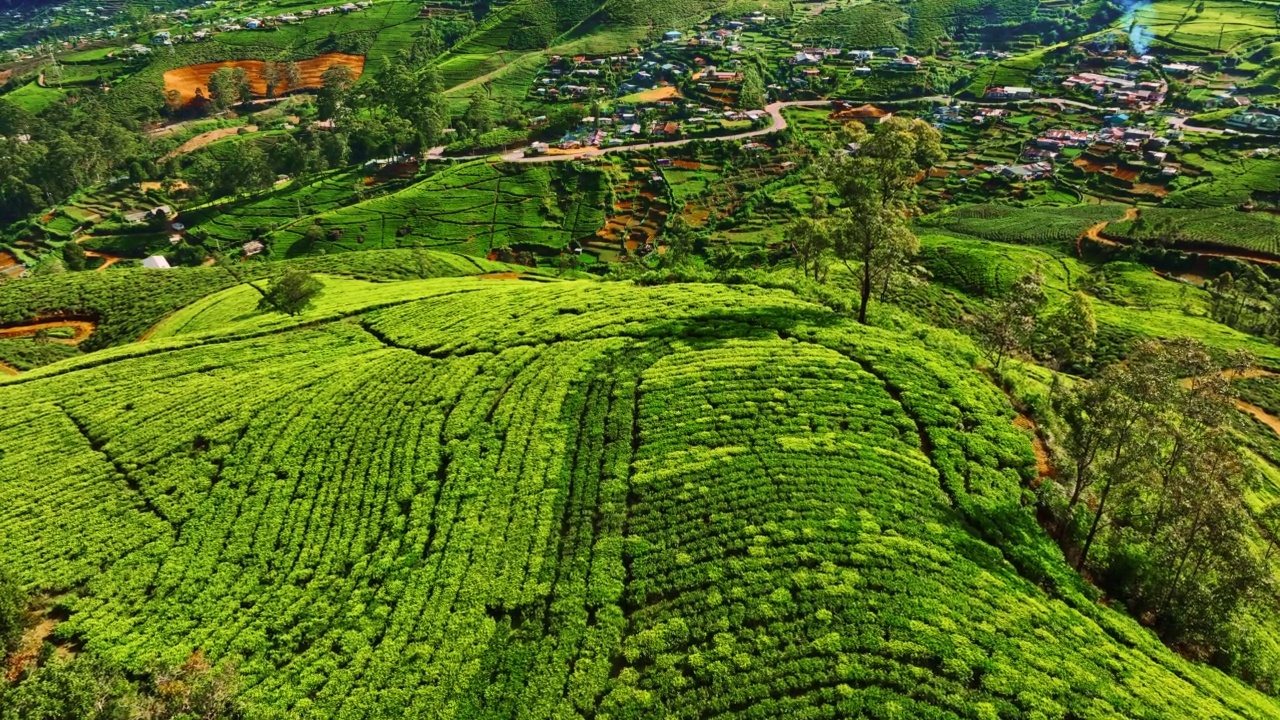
[[187, 80]]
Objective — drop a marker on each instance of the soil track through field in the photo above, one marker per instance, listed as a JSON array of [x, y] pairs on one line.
[[83, 329], [1044, 463], [186, 80], [1258, 413], [107, 259], [206, 138], [1094, 234], [8, 370]]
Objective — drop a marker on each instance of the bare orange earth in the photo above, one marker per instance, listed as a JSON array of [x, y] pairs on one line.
[[8, 263], [186, 80], [82, 329]]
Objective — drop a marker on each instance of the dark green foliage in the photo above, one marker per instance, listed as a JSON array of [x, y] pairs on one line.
[[27, 353], [291, 293], [572, 495], [873, 25], [73, 256], [13, 613], [1033, 226]]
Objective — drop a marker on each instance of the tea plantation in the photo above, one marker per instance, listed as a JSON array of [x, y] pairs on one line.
[[466, 498]]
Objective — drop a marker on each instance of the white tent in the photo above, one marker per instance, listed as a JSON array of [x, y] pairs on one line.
[[156, 262]]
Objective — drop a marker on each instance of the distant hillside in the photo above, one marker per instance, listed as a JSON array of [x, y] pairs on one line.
[[505, 497]]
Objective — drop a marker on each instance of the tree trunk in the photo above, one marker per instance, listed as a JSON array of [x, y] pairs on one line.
[[1175, 456], [1093, 528], [865, 291]]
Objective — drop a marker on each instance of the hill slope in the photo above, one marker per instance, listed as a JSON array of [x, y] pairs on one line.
[[561, 499]]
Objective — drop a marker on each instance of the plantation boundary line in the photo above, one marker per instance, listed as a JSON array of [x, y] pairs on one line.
[[129, 481], [181, 343]]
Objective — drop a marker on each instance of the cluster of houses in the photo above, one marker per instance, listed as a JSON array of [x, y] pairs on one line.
[[585, 77], [1123, 91], [629, 124], [1008, 92], [166, 37], [582, 76], [1154, 148]]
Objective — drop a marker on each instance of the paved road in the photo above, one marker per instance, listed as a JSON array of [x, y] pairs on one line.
[[779, 123]]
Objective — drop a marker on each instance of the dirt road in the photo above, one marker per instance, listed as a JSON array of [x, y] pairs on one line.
[[205, 138], [1094, 233], [778, 123], [81, 329]]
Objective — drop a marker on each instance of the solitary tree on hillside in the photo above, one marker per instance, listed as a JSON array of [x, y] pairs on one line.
[[292, 75], [281, 76], [292, 293], [480, 112], [811, 240], [335, 83], [875, 175], [1008, 325], [1070, 332], [73, 256]]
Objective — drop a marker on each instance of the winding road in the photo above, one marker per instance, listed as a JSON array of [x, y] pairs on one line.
[[779, 123]]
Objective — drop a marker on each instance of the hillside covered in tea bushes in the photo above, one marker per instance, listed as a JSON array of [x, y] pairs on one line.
[[530, 498]]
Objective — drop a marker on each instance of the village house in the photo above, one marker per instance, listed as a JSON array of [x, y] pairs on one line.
[[1008, 92], [1032, 171], [906, 63], [866, 114], [1256, 121], [1059, 139], [1099, 85], [1180, 69]]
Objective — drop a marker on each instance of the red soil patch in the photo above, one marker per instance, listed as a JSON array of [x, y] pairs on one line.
[[186, 80], [1044, 468], [7, 260], [83, 329], [500, 276], [1261, 415], [696, 216], [1149, 189], [687, 165]]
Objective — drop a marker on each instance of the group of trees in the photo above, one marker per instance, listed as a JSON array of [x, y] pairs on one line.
[[1153, 502], [874, 173], [1247, 300], [68, 148], [229, 86], [1018, 322]]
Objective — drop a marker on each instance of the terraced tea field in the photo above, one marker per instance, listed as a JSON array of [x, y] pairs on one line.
[[472, 208], [479, 498]]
